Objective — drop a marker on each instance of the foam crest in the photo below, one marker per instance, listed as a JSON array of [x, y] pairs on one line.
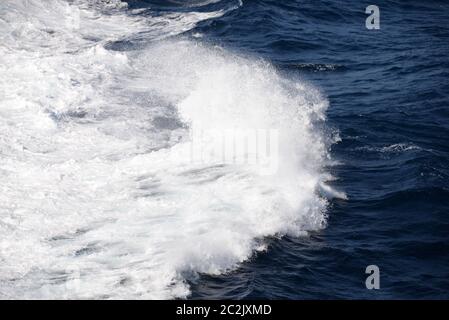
[[100, 196]]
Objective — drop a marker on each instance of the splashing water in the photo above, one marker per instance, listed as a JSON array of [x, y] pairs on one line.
[[99, 196]]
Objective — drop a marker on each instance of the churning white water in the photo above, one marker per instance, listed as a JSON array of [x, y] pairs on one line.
[[99, 196]]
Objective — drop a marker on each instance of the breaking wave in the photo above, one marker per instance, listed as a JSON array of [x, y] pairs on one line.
[[100, 197]]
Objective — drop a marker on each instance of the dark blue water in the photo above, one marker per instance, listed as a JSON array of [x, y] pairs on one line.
[[389, 99]]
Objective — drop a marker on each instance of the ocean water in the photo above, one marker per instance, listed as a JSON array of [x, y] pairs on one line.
[[101, 196]]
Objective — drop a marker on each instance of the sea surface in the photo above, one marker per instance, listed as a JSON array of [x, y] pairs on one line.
[[102, 192]]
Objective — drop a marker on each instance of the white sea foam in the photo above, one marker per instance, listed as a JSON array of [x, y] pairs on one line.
[[396, 148], [93, 204]]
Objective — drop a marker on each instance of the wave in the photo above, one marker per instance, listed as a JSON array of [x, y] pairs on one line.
[[393, 148], [102, 193]]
